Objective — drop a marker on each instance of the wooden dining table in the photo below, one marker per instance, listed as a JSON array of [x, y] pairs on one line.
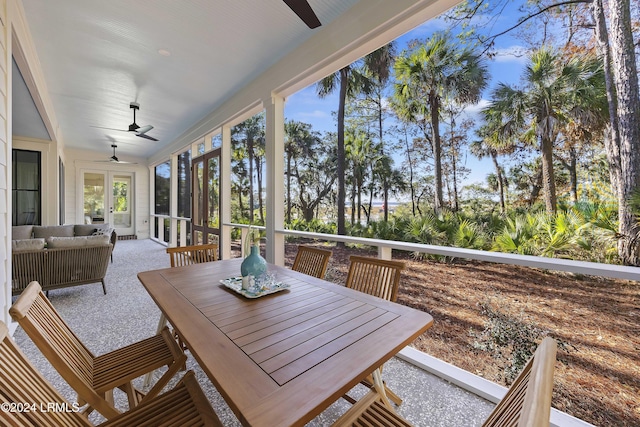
[[281, 359]]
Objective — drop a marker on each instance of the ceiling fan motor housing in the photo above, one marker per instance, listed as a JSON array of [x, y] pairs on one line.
[[134, 126]]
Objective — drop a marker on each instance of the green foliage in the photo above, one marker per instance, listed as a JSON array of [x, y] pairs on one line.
[[511, 341], [313, 226]]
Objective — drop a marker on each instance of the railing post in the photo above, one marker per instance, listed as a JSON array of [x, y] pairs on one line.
[[384, 252]]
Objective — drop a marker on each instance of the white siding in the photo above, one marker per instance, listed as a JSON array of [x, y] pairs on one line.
[[5, 170]]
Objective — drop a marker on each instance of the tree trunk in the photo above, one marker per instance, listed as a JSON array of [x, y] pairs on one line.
[[250, 153], [385, 180], [494, 158], [612, 142], [536, 187], [258, 161], [628, 111], [548, 176], [456, 206], [434, 105], [573, 174], [288, 187], [344, 75]]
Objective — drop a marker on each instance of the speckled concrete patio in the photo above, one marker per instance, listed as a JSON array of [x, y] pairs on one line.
[[127, 314]]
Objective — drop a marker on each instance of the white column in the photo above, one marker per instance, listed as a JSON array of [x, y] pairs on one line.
[[274, 153], [225, 193], [173, 207]]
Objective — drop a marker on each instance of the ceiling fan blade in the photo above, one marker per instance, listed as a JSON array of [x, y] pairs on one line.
[[304, 12], [102, 127], [145, 136], [144, 129]]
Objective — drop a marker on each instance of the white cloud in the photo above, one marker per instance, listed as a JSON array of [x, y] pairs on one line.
[[514, 53], [315, 114], [473, 112]]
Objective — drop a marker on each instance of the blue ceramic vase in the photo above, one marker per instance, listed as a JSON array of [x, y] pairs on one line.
[[254, 264]]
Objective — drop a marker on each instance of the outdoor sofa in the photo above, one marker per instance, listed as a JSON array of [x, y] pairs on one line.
[[60, 256]]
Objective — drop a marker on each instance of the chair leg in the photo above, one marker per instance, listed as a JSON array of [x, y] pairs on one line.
[[162, 322], [104, 287], [132, 394], [180, 360]]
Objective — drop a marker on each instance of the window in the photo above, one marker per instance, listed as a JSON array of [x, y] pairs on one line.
[[26, 187], [184, 184], [216, 141], [163, 188]]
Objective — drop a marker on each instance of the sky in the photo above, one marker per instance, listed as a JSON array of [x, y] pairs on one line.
[[506, 67]]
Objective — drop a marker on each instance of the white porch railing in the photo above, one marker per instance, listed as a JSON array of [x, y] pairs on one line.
[[385, 247]]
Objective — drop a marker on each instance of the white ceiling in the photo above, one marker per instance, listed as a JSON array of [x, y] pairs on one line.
[[97, 56]]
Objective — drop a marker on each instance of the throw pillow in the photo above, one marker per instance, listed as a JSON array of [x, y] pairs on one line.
[[23, 245]]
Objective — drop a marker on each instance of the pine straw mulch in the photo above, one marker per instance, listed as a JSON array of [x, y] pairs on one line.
[[597, 377]]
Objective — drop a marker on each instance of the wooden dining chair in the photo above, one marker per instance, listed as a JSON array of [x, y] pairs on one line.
[[526, 404], [380, 278], [312, 261], [22, 384], [195, 254], [374, 276], [180, 256], [187, 255], [95, 377]]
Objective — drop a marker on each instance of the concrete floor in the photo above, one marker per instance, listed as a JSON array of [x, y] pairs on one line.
[[127, 314]]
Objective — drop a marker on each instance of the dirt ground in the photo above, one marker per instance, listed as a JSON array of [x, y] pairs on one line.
[[597, 377]]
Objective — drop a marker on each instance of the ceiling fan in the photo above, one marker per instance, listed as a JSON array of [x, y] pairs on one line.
[[140, 131], [114, 158], [304, 12]]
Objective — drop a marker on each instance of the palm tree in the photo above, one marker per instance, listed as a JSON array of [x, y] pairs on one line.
[[378, 64], [482, 148], [300, 140], [354, 79], [557, 93], [430, 75]]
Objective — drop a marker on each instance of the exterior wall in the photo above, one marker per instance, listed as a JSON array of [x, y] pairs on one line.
[[77, 161], [5, 171], [49, 175]]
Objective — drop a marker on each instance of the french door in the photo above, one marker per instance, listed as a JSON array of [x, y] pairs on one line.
[[108, 198], [205, 186]]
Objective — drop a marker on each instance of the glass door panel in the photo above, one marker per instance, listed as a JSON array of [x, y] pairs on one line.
[[94, 197], [206, 198], [213, 183], [121, 201], [198, 200]]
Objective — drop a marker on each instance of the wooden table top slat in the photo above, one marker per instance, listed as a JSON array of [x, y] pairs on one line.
[[272, 313], [267, 327], [265, 354], [313, 357], [275, 343]]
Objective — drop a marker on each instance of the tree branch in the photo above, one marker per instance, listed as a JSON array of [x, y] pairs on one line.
[[525, 19]]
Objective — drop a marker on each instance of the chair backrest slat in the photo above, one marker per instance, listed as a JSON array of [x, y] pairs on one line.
[[21, 383], [195, 254], [527, 403], [375, 276], [52, 335], [312, 261]]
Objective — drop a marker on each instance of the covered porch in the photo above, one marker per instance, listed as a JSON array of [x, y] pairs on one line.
[[434, 393]]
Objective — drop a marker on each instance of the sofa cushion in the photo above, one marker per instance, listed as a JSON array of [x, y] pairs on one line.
[[52, 231], [22, 245], [84, 229], [19, 232], [76, 242]]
